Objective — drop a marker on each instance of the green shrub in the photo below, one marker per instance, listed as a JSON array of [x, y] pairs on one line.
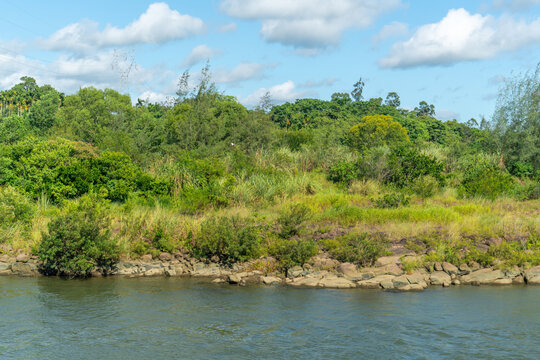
[[426, 186], [293, 252], [292, 220], [343, 172], [362, 249], [376, 130], [230, 239], [78, 241], [392, 200], [486, 180], [407, 164], [14, 207]]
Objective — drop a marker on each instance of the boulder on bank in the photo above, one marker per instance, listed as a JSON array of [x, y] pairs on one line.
[[440, 278], [482, 277], [532, 275]]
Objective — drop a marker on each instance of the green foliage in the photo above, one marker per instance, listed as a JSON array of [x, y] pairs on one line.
[[426, 186], [64, 169], [391, 200], [408, 164], [13, 128], [376, 130], [78, 241], [343, 172], [230, 239], [292, 220], [362, 249], [486, 180], [16, 213], [293, 252]]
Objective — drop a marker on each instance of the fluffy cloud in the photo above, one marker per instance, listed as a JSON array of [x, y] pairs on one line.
[[318, 83], [462, 36], [198, 54], [159, 24], [278, 94], [156, 98], [242, 72], [308, 24], [228, 28]]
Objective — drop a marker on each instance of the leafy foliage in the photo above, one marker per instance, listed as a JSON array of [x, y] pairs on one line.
[[78, 241], [362, 249]]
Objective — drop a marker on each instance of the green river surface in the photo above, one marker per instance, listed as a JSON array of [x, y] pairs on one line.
[[166, 318]]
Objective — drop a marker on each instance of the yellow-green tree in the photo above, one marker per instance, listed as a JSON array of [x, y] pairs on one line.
[[376, 130]]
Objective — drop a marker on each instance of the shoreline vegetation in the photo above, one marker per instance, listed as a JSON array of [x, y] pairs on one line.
[[340, 193]]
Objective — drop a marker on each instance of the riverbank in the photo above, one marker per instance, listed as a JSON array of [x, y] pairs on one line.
[[320, 272]]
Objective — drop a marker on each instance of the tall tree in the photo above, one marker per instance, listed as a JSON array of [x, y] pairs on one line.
[[358, 88]]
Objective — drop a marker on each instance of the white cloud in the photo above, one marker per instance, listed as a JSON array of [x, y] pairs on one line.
[[278, 94], [242, 72], [228, 28], [198, 54], [393, 29], [461, 36], [308, 24], [159, 24], [155, 98]]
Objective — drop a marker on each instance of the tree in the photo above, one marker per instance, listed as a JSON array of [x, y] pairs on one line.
[[516, 124], [376, 130], [425, 109], [265, 103], [341, 98], [358, 88], [392, 99]]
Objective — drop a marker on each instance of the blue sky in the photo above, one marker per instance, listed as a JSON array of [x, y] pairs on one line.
[[454, 54]]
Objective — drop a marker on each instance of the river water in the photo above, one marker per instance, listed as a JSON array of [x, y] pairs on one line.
[[145, 318]]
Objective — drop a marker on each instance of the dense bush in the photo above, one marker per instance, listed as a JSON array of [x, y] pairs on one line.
[[230, 239], [376, 130], [407, 164], [291, 252], [486, 180], [362, 249], [291, 221], [78, 241], [391, 200], [16, 213], [343, 172]]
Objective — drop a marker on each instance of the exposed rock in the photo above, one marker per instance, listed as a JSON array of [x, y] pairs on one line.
[[437, 266], [374, 283], [169, 272], [387, 284], [294, 272], [440, 278], [505, 281], [154, 272], [387, 260], [206, 270], [165, 256], [4, 266], [336, 283], [179, 269], [512, 273], [450, 268], [414, 287], [22, 258], [415, 278], [518, 280], [96, 273], [218, 281], [532, 275], [146, 258], [234, 279], [400, 281], [271, 280], [464, 269], [24, 269], [324, 262], [474, 266], [304, 281], [482, 277], [456, 282]]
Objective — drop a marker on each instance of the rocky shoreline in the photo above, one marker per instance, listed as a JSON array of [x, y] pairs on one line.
[[320, 272]]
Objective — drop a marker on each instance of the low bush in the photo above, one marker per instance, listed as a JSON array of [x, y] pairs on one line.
[[343, 172], [391, 200], [485, 180], [426, 186], [78, 241], [293, 252], [291, 221], [362, 249], [230, 239]]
